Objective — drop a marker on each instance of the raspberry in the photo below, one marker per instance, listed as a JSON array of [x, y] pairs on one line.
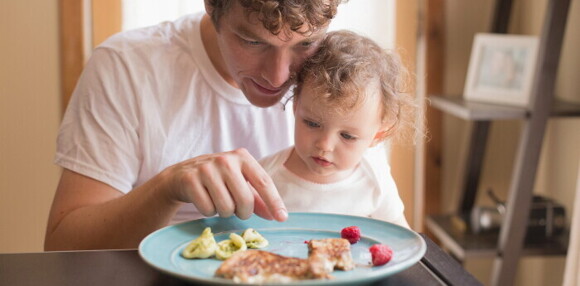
[[351, 233], [381, 254]]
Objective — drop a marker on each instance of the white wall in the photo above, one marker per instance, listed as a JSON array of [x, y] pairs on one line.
[[372, 18], [141, 13], [29, 118]]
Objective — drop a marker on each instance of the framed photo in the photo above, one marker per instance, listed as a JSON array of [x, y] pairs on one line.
[[501, 69]]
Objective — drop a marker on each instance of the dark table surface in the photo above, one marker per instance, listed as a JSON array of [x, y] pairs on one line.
[[125, 267]]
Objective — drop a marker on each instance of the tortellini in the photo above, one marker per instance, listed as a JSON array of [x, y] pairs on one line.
[[254, 239], [202, 247], [205, 245], [230, 246]]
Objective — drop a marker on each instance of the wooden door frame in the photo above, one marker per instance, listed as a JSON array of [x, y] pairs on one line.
[[83, 24], [418, 171], [73, 43], [435, 71]]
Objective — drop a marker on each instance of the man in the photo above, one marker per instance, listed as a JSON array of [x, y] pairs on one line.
[[154, 107]]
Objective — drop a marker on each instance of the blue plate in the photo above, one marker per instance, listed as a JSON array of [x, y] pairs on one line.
[[162, 248]]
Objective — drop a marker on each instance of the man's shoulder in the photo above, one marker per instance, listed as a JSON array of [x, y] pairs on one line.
[[153, 51]]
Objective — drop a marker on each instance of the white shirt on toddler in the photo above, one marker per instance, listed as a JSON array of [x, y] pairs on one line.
[[360, 194]]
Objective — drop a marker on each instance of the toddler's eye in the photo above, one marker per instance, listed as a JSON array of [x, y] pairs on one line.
[[311, 124], [347, 136]]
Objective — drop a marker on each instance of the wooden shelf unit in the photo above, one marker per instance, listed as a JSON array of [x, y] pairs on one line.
[[507, 246], [470, 110]]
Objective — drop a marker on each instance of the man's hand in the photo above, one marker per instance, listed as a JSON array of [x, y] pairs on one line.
[[226, 183], [89, 214]]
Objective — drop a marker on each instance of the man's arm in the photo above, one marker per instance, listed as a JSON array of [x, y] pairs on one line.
[[89, 214]]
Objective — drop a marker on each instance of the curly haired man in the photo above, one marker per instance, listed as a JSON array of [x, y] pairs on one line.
[[167, 122]]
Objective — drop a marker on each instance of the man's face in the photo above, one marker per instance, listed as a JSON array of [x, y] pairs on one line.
[[259, 63]]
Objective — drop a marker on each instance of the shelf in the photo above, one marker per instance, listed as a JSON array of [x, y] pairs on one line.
[[455, 235], [565, 109], [471, 110]]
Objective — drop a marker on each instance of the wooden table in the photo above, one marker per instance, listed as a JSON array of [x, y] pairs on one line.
[[125, 267]]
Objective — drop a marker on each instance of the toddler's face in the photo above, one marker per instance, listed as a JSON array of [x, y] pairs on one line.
[[328, 144]]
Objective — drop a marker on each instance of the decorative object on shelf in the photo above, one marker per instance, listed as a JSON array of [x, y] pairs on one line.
[[547, 218], [487, 218], [501, 69]]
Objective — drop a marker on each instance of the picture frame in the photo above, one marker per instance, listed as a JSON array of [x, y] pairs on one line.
[[501, 69]]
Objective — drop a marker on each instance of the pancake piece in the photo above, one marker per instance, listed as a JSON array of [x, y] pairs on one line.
[[258, 266], [325, 255]]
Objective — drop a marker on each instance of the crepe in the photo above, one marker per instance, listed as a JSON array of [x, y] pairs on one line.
[[258, 266]]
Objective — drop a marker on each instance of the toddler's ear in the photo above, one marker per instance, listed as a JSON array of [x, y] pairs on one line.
[[380, 137]]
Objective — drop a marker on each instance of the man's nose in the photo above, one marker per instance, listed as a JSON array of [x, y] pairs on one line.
[[278, 68]]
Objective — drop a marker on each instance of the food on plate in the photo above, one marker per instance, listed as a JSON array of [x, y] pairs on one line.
[[381, 254], [351, 233], [254, 239], [205, 245], [258, 266], [202, 247], [328, 254], [228, 247]]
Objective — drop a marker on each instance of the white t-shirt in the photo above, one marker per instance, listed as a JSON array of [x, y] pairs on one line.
[[150, 98], [363, 193]]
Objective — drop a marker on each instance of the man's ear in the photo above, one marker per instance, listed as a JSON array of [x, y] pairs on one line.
[[294, 105], [208, 7]]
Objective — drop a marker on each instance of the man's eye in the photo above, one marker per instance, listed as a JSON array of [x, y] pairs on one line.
[[311, 124], [250, 42], [347, 136]]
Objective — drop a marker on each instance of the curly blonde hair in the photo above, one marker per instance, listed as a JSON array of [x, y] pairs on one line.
[[282, 16], [346, 66]]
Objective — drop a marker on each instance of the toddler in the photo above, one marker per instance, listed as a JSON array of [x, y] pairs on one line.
[[346, 102]]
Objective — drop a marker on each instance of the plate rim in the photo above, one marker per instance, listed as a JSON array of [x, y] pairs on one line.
[[347, 280]]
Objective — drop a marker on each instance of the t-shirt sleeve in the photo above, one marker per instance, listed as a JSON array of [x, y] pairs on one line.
[[98, 136]]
